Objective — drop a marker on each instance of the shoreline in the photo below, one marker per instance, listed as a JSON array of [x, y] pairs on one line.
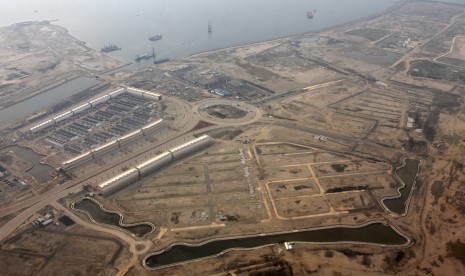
[[399, 4], [40, 91], [396, 6]]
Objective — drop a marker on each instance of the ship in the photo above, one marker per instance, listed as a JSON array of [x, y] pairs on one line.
[[310, 14], [145, 56], [161, 60], [110, 48], [210, 27], [156, 37]]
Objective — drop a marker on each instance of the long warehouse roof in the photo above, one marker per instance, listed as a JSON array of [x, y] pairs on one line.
[[201, 138], [110, 181]]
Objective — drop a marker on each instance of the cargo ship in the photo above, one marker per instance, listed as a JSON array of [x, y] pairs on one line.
[[310, 14], [156, 37], [110, 48]]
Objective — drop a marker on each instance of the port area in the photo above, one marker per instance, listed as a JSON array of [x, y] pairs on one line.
[[36, 56], [314, 131]]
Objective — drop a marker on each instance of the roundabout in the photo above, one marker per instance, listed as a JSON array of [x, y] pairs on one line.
[[227, 112]]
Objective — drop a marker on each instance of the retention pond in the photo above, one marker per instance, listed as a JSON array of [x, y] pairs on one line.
[[98, 214], [39, 171], [375, 233], [407, 174]]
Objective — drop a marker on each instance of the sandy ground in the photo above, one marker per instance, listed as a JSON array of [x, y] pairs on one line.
[[339, 96]]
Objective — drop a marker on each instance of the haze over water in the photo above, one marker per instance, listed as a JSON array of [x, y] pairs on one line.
[[183, 23]]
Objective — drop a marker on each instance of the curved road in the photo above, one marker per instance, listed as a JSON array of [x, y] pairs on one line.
[[184, 125]]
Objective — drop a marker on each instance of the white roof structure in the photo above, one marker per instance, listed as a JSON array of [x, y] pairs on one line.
[[154, 159], [110, 181], [201, 138]]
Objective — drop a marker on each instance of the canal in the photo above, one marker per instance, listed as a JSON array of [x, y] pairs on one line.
[[45, 99], [375, 233]]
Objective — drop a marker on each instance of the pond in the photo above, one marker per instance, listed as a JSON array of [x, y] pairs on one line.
[[407, 173], [39, 171], [103, 216], [375, 233]]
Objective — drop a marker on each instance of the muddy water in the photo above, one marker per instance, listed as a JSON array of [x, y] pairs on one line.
[[46, 99], [376, 233], [39, 171], [101, 216], [183, 23], [407, 174]]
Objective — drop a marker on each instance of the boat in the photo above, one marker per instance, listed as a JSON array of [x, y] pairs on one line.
[[161, 60], [145, 56], [210, 27], [109, 48], [310, 14], [156, 37]]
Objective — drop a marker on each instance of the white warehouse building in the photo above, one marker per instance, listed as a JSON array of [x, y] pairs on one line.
[[130, 176], [118, 182], [155, 163], [112, 145], [190, 147], [112, 95]]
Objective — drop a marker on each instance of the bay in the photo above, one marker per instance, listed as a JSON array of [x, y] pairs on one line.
[[183, 23]]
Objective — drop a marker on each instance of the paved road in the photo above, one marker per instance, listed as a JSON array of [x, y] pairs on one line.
[[334, 135], [184, 125], [133, 242], [295, 92]]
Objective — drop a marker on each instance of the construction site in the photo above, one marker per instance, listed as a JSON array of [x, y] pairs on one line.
[[332, 153]]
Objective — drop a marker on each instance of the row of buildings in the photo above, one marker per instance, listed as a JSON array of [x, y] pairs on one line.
[[132, 175], [82, 108], [112, 145]]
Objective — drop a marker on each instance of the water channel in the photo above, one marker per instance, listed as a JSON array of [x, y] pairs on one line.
[[407, 174], [100, 215], [46, 99], [39, 171], [375, 233]]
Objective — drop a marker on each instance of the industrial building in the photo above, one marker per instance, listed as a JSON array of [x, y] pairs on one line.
[[118, 143], [130, 176], [3, 172], [220, 92], [75, 111]]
